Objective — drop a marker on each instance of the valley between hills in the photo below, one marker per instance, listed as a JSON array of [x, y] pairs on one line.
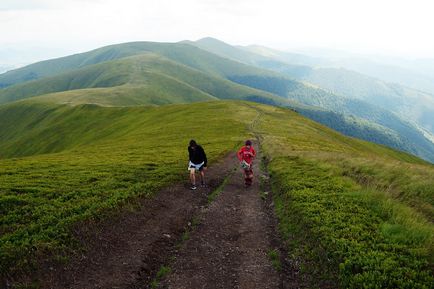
[[94, 190]]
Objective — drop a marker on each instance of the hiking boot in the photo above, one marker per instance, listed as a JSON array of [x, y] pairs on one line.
[[203, 185], [193, 187]]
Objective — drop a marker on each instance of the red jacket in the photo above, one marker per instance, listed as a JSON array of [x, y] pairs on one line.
[[245, 154]]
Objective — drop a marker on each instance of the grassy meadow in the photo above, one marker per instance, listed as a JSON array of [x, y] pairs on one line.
[[85, 160], [354, 214], [143, 73]]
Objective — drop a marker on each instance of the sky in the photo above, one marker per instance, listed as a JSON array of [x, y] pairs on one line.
[[48, 28]]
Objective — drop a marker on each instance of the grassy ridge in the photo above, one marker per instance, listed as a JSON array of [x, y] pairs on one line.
[[353, 212], [179, 52], [348, 233], [409, 104], [120, 153], [390, 107], [143, 79], [161, 73]]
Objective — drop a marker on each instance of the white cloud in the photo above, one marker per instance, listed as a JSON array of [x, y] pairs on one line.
[[386, 26], [11, 5]]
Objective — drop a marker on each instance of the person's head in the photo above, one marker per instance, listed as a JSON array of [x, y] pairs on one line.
[[193, 144], [248, 143]]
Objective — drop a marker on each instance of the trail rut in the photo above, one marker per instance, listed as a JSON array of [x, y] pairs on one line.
[[230, 247]]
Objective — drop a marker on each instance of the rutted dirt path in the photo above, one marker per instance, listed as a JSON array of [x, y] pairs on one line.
[[127, 251], [230, 246]]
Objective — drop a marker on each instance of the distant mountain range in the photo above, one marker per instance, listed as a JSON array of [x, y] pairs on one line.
[[410, 104], [162, 73], [4, 68], [417, 74]]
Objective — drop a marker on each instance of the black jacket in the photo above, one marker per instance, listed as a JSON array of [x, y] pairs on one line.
[[197, 155]]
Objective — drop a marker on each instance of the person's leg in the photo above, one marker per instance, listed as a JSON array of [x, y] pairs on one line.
[[249, 177], [192, 178], [202, 177], [246, 177]]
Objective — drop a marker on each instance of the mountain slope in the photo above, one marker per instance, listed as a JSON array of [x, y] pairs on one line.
[[346, 92], [91, 161], [147, 79], [162, 73], [390, 72], [408, 103], [183, 53], [60, 65]]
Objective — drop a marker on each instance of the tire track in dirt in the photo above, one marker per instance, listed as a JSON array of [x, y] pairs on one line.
[[126, 251], [229, 249]]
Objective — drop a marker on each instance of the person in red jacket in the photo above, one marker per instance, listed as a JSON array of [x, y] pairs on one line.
[[246, 154]]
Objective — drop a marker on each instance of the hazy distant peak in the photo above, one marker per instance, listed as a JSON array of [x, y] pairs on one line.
[[211, 40]]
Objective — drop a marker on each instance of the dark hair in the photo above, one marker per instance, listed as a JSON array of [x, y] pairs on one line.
[[248, 143], [193, 143]]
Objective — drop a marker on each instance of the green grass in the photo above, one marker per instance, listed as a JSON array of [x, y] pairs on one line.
[[219, 189], [157, 67], [352, 211], [142, 79], [180, 52], [104, 158], [363, 237], [275, 259], [163, 272], [343, 93], [144, 73]]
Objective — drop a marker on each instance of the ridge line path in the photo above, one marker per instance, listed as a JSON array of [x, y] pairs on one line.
[[126, 250], [230, 246]]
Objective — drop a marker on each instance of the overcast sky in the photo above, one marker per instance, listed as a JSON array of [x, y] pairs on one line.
[[390, 27]]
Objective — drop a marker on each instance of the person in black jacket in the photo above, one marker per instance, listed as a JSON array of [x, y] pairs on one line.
[[198, 162]]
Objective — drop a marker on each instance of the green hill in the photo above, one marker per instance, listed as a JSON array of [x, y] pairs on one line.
[[397, 108], [160, 73], [342, 209], [86, 160], [183, 53], [89, 70], [408, 103], [147, 79], [254, 54], [16, 119]]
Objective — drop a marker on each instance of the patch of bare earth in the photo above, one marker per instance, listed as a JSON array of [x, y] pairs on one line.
[[230, 246], [127, 251]]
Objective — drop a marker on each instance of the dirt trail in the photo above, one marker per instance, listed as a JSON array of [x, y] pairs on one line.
[[229, 249], [128, 250]]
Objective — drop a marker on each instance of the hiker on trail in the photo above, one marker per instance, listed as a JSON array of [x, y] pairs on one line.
[[246, 155], [197, 162]]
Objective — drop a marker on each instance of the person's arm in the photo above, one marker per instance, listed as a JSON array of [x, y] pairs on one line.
[[253, 153], [190, 153], [205, 160], [239, 154]]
